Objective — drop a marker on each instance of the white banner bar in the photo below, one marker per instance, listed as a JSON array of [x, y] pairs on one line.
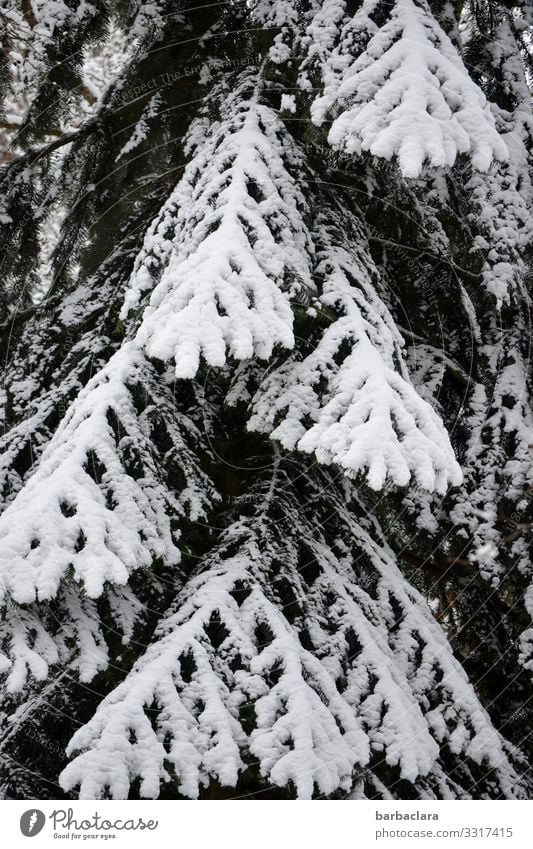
[[268, 824]]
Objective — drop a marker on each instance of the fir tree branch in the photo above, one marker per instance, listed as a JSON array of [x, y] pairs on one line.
[[28, 312], [463, 273], [33, 155], [9, 125], [454, 369], [518, 529], [440, 568]]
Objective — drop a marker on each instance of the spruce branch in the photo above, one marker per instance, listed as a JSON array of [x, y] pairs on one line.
[[463, 273], [23, 315], [33, 155], [452, 366]]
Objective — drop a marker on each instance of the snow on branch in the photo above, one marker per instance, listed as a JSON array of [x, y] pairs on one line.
[[350, 400], [234, 243], [96, 503], [502, 199], [68, 632], [490, 475], [198, 698], [228, 681], [400, 88]]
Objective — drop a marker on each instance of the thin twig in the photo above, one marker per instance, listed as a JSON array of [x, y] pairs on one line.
[[466, 275], [33, 155], [453, 367]]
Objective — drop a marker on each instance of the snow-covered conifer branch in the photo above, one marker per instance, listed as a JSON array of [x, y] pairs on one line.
[[350, 400], [233, 241], [97, 503], [399, 88]]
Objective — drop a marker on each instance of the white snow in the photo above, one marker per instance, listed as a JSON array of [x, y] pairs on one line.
[[63, 518], [235, 252], [370, 418], [406, 93]]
